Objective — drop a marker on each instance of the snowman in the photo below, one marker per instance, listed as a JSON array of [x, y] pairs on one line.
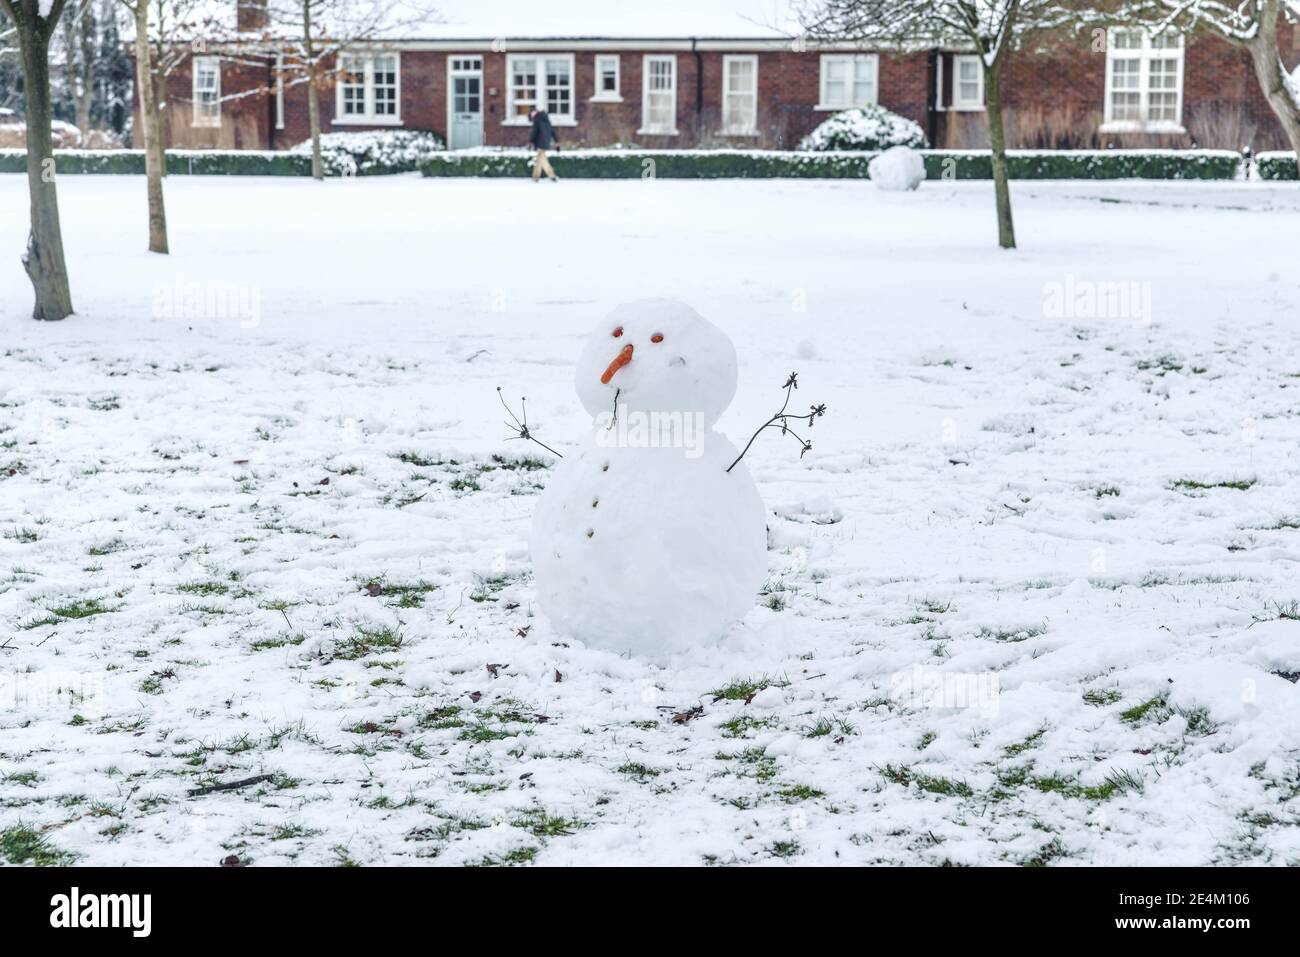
[[650, 538]]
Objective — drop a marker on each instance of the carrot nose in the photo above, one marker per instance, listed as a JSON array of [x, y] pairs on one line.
[[620, 360]]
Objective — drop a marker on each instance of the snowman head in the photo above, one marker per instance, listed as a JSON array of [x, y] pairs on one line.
[[657, 355]]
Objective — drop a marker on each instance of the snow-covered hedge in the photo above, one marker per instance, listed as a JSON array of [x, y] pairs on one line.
[[770, 164], [1277, 166], [179, 162], [373, 151], [868, 128]]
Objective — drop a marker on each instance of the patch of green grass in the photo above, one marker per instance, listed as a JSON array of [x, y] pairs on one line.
[[1020, 747], [1012, 634], [440, 719], [420, 460], [1196, 485], [794, 793], [23, 536], [784, 849], [487, 587], [1101, 697], [204, 588], [1286, 612], [740, 725], [1105, 491], [742, 689], [1051, 851], [635, 769], [520, 855], [108, 548], [825, 726], [524, 463], [22, 845], [80, 608], [926, 782], [480, 733], [775, 601], [368, 642], [280, 641], [1153, 708], [541, 824]]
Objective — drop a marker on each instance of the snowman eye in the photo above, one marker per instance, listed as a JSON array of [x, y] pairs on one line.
[[618, 332], [657, 337]]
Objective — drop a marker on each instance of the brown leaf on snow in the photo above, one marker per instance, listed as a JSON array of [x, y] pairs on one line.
[[689, 715], [475, 696], [233, 861], [374, 589], [493, 669], [558, 677]]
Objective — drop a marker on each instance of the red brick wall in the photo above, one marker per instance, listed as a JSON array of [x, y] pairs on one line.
[[1054, 93], [245, 120]]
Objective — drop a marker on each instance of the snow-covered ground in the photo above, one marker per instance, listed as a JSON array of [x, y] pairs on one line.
[[1084, 528]]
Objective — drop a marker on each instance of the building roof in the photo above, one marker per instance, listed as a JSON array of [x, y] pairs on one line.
[[603, 19]]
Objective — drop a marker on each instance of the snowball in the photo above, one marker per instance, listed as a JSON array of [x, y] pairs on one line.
[[643, 542], [900, 168]]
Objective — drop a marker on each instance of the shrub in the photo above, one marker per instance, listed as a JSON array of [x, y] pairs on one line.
[[869, 128], [373, 152], [1277, 166]]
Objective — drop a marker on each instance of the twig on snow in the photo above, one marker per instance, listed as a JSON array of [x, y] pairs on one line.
[[782, 421]]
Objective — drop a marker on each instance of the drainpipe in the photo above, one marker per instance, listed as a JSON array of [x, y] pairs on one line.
[[699, 85], [932, 96]]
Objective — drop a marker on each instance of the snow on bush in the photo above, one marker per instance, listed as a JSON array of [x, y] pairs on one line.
[[899, 168], [375, 151], [868, 128]]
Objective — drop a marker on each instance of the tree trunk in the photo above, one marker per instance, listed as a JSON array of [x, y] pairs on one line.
[[998, 143], [43, 260], [313, 93], [1272, 76], [149, 119]]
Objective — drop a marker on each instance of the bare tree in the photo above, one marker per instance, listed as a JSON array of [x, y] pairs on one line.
[[155, 156], [80, 53], [1251, 25], [34, 23], [993, 28]]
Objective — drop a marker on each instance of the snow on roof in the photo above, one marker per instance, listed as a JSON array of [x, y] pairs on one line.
[[601, 19]]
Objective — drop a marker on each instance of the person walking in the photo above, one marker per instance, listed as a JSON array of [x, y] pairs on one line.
[[541, 139]]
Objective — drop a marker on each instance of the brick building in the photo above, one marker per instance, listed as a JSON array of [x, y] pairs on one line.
[[711, 72]]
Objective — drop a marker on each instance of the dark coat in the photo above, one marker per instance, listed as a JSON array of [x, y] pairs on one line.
[[543, 134]]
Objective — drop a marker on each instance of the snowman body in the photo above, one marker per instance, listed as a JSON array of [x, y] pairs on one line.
[[643, 542]]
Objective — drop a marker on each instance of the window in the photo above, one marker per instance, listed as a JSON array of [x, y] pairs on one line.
[[607, 78], [659, 95], [848, 81], [207, 91], [740, 95], [967, 83], [1144, 81], [368, 89], [544, 82]]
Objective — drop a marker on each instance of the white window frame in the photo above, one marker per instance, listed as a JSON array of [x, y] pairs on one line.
[[749, 128], [870, 61], [197, 116], [646, 61], [279, 91], [557, 119], [602, 96], [368, 117], [961, 105], [1145, 54]]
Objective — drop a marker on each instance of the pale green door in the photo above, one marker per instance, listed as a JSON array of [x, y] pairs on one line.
[[465, 102]]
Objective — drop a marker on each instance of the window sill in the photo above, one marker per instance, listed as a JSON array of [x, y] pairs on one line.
[[366, 121], [206, 124], [525, 121], [827, 108], [644, 132], [606, 99], [1133, 126]]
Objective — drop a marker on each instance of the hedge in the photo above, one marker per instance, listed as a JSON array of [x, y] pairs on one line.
[[704, 164], [753, 164], [179, 162], [1277, 166]]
